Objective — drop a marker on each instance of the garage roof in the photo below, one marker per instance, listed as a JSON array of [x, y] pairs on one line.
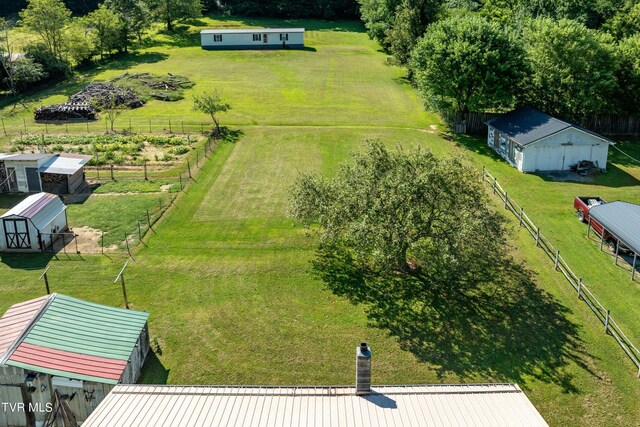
[[76, 339], [526, 125], [64, 164], [408, 406], [621, 219]]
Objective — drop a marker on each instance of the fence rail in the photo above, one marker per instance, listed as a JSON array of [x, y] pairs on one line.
[[583, 293]]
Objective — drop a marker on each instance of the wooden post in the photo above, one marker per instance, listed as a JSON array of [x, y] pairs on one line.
[[506, 200], [606, 322], [483, 172], [580, 288], [46, 279], [633, 269], [3, 128], [180, 182], [98, 169], [189, 168], [102, 243], [139, 232], [557, 258], [130, 127], [124, 288], [148, 219], [126, 239], [170, 125], [112, 178], [24, 121], [66, 126], [494, 185], [197, 159], [521, 215], [538, 237], [146, 178], [149, 125], [75, 237]]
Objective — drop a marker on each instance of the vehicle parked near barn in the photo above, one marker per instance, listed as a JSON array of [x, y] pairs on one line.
[[582, 205]]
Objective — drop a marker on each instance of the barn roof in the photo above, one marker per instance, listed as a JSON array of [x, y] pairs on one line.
[[408, 406], [621, 219], [77, 339], [526, 125], [40, 208], [64, 164], [251, 30], [16, 320]]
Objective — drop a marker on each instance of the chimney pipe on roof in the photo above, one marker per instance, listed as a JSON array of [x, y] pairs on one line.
[[363, 369]]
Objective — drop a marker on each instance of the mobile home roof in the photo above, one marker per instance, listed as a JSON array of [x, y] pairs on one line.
[[252, 30]]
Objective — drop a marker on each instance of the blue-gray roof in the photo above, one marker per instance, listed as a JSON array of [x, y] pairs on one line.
[[526, 125], [621, 219]]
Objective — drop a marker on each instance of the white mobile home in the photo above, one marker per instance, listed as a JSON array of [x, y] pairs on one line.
[[254, 38], [31, 224], [534, 141]]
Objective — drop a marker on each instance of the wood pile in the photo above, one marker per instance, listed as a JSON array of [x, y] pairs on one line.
[[68, 111], [105, 95]]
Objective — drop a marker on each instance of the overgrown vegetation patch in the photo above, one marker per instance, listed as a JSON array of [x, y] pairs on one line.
[[111, 148]]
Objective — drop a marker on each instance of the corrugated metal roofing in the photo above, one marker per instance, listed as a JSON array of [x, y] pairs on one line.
[[78, 339], [252, 30], [41, 208], [15, 321], [526, 125], [25, 156], [621, 219], [63, 165], [388, 406]]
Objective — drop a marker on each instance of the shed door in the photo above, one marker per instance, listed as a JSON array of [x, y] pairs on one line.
[[33, 179], [16, 234]]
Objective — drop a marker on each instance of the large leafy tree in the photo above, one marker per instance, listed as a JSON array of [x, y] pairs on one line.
[[135, 18], [378, 17], [628, 75], [47, 18], [411, 20], [396, 211], [468, 64], [169, 11], [107, 29], [572, 68]]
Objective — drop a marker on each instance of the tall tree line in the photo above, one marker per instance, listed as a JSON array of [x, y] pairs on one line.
[[573, 58]]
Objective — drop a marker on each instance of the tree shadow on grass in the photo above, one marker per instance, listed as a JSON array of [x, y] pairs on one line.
[[507, 331]]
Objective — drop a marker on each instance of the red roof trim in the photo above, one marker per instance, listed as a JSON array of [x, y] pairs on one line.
[[74, 363]]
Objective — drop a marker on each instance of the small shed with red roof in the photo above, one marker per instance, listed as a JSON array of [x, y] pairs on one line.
[[78, 348], [33, 224]]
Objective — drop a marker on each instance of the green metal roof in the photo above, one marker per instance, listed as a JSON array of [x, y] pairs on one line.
[[78, 326]]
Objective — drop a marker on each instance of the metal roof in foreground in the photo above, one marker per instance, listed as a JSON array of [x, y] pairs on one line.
[[621, 219], [388, 406]]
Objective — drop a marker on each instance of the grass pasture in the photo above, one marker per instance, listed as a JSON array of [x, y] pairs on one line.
[[226, 278]]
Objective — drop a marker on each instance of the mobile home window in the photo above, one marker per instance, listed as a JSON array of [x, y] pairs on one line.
[[286, 37], [257, 37], [217, 37]]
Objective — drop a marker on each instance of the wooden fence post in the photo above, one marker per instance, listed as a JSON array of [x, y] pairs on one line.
[[580, 288], [102, 243], [170, 125], [24, 121], [606, 322], [146, 178], [139, 232], [112, 178], [557, 258], [149, 125], [537, 236], [189, 168], [521, 214], [506, 200], [126, 239], [495, 181], [3, 128], [197, 159]]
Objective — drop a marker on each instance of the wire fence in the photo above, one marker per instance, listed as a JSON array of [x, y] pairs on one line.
[[82, 240], [156, 124], [584, 294]]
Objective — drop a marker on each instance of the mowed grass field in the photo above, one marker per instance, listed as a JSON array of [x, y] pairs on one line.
[[227, 281]]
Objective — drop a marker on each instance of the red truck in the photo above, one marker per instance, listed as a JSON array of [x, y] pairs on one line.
[[582, 205]]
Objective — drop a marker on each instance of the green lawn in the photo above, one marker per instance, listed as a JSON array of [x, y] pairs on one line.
[[227, 279]]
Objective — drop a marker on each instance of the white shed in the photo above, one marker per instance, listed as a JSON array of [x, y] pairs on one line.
[[31, 224], [254, 38], [20, 172], [534, 141]]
